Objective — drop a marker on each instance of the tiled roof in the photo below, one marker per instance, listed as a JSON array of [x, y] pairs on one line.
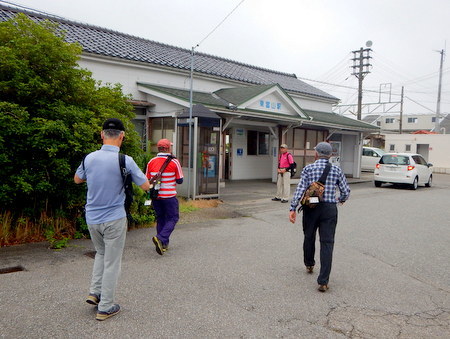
[[212, 100], [218, 99], [339, 120], [106, 42], [197, 97], [370, 118], [240, 95]]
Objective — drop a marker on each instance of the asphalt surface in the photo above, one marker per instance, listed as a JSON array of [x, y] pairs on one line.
[[244, 277]]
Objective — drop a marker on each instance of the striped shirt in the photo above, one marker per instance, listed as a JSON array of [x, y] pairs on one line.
[[335, 178], [169, 176]]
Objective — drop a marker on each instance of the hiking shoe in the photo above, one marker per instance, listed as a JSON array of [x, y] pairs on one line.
[[102, 315], [323, 288], [93, 299], [276, 199], [310, 269], [284, 201], [158, 245]]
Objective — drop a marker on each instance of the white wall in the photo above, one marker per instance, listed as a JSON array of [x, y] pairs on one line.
[[249, 166], [312, 105], [438, 151], [127, 74], [424, 121]]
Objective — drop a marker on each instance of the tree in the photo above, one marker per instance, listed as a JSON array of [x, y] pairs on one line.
[[51, 113]]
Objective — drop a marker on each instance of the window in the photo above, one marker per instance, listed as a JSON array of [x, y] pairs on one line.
[[391, 147], [389, 120], [367, 152], [419, 160], [393, 159], [257, 143], [407, 148], [433, 119], [412, 120], [263, 143], [161, 128], [378, 123]]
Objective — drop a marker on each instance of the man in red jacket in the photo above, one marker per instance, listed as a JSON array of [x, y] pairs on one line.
[[166, 204]]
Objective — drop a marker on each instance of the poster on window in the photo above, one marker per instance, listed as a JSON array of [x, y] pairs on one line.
[[211, 166]]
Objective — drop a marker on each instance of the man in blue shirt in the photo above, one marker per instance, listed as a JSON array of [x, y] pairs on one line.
[[105, 213], [324, 215]]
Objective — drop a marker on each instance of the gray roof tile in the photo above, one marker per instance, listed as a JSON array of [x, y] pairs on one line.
[[106, 42]]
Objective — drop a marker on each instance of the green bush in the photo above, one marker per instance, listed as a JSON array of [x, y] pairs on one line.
[[51, 112]]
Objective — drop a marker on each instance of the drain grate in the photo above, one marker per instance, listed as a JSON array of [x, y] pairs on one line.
[[90, 254], [11, 269]]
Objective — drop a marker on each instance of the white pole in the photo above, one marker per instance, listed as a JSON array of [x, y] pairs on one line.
[[190, 124]]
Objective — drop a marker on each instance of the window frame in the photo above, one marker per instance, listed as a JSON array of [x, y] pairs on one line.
[[255, 142]]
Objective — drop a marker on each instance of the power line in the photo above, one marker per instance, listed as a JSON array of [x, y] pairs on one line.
[[220, 23]]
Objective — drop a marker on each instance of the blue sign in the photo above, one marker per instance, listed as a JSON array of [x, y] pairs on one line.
[[240, 152]]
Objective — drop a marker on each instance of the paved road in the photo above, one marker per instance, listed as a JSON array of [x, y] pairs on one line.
[[243, 277]]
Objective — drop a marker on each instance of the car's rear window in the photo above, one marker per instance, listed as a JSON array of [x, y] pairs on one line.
[[393, 159]]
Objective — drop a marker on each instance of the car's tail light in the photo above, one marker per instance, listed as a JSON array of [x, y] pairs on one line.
[[410, 168], [377, 166]]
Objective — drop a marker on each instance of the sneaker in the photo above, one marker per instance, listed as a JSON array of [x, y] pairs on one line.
[[93, 299], [323, 288], [165, 248], [284, 201], [276, 199], [309, 269], [102, 315], [158, 246]]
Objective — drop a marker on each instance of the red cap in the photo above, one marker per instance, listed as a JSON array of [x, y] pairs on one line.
[[164, 143]]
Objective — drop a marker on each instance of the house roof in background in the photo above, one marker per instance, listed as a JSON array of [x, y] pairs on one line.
[[101, 41]]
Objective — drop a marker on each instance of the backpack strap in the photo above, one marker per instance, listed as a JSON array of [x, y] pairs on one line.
[[287, 157], [123, 168], [324, 175], [161, 170]]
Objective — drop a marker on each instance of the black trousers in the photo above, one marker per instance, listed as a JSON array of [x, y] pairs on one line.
[[324, 218]]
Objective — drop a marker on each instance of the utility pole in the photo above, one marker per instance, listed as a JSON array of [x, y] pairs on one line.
[[438, 105], [400, 128], [360, 70]]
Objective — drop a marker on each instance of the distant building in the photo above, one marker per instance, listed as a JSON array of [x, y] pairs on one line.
[[410, 122]]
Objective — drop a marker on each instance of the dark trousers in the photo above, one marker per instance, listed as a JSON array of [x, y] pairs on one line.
[[324, 218], [167, 215]]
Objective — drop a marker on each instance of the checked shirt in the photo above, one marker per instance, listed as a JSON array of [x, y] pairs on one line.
[[335, 178]]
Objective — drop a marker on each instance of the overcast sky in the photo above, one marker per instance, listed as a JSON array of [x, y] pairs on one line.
[[311, 38]]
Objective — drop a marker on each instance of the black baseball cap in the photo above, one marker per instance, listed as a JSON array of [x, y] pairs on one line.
[[114, 123]]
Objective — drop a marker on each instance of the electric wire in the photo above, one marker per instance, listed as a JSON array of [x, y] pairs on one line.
[[220, 23]]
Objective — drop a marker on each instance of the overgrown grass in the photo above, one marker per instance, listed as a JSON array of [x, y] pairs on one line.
[[52, 228], [58, 228]]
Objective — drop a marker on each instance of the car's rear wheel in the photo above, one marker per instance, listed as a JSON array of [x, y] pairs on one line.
[[430, 180], [415, 183], [377, 183]]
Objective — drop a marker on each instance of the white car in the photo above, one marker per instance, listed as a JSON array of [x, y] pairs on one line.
[[403, 168], [370, 157]]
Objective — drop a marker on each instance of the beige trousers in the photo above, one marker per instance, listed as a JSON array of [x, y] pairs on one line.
[[283, 186]]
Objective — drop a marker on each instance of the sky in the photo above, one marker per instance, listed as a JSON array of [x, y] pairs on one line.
[[313, 39]]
